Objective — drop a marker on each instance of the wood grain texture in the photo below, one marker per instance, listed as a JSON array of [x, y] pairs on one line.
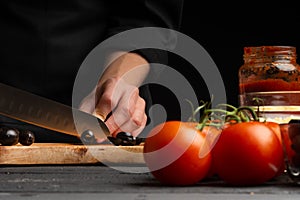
[[60, 153]]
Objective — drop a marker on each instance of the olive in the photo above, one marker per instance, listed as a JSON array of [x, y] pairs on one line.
[[115, 141], [127, 138], [26, 137], [9, 136]]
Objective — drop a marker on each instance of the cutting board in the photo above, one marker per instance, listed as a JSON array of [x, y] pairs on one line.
[[60, 153]]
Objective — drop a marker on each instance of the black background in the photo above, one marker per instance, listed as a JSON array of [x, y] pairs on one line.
[[225, 28]]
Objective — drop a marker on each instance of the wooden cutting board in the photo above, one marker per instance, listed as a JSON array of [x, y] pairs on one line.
[[60, 153]]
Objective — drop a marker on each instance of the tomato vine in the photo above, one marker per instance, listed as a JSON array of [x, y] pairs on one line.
[[222, 114]]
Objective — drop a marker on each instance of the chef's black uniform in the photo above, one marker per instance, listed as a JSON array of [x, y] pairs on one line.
[[43, 43]]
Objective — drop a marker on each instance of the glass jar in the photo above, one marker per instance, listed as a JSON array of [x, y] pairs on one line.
[[270, 78], [269, 82], [269, 68]]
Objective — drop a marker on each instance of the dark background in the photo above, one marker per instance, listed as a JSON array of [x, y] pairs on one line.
[[225, 28]]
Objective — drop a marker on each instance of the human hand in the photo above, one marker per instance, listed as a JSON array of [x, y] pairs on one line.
[[120, 99]]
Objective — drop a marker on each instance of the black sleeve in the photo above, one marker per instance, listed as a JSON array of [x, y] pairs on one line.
[[165, 14], [145, 13], [126, 15]]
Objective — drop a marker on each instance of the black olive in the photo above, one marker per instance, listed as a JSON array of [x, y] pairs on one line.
[[128, 140], [26, 137], [125, 136], [115, 141], [139, 140], [125, 139], [9, 136]]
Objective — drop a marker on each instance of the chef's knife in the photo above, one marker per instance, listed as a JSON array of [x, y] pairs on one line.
[[33, 109]]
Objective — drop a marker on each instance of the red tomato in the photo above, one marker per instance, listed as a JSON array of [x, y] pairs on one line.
[[277, 130], [176, 153], [212, 134], [247, 153]]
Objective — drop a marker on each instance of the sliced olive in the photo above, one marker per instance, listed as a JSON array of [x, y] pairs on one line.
[[128, 140], [115, 141], [9, 136], [26, 137]]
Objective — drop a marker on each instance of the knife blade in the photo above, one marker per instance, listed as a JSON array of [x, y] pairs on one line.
[[33, 109]]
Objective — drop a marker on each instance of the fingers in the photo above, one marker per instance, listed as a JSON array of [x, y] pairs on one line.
[[127, 107], [107, 96], [129, 116], [130, 120]]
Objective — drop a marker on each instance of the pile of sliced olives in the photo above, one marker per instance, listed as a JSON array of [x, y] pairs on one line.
[[12, 136], [125, 139], [121, 139]]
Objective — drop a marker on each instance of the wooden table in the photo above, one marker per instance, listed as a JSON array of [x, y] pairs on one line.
[[112, 180], [103, 182]]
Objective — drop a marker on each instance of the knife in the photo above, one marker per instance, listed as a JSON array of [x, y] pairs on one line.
[[33, 109]]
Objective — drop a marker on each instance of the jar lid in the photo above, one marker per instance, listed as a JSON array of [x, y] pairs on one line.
[[269, 50]]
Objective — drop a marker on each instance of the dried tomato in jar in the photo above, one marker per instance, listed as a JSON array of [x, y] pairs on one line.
[[270, 73], [270, 78], [269, 68]]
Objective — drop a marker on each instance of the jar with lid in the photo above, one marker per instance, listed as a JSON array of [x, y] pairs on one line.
[[269, 81], [269, 68], [271, 75]]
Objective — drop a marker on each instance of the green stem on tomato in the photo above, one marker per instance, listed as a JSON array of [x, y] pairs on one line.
[[244, 116], [207, 116], [234, 117], [250, 110], [233, 108], [223, 113], [195, 111], [259, 102]]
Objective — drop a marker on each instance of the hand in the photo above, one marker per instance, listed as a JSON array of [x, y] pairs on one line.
[[117, 94], [122, 100]]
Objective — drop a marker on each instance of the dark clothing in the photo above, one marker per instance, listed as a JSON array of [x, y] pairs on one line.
[[43, 43]]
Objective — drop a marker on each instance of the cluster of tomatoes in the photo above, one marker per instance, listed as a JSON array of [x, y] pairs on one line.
[[233, 145], [12, 136]]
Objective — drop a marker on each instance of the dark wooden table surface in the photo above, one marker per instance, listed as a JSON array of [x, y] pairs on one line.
[[98, 181]]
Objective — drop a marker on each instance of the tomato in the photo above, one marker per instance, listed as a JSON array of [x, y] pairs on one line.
[[247, 153], [212, 134], [176, 153], [277, 130]]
